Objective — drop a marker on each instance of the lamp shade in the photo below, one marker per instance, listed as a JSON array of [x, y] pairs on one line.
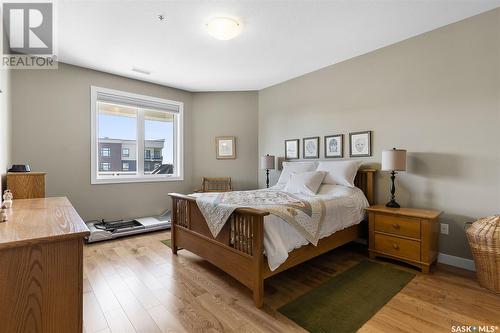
[[267, 162], [394, 160]]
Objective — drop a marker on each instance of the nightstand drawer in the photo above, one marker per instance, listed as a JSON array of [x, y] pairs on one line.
[[398, 247], [398, 225]]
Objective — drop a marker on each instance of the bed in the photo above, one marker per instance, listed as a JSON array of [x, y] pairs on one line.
[[239, 247]]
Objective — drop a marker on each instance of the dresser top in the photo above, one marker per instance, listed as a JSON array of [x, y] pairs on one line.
[[45, 219], [31, 173], [410, 212]]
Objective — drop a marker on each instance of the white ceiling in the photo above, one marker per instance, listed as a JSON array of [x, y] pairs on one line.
[[280, 40]]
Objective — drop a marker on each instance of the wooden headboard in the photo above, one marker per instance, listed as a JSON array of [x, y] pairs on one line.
[[364, 181]]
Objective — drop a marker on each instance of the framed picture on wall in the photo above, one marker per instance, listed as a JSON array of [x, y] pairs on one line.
[[225, 147], [292, 149], [334, 146], [311, 147], [360, 144]]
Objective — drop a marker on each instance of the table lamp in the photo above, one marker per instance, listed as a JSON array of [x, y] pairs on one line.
[[267, 163], [393, 160]]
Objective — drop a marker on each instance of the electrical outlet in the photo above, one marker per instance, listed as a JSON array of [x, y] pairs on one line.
[[444, 228]]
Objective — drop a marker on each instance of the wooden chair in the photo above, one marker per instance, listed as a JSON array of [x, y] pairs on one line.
[[216, 184]]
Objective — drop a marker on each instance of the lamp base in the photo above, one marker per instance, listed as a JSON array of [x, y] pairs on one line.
[[392, 204]]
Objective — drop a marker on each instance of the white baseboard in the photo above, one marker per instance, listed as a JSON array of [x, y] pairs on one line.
[[457, 261]]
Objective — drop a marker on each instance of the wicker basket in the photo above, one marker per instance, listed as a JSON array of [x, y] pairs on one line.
[[484, 241]]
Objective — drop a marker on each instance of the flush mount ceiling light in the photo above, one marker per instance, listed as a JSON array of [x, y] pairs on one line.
[[223, 28]]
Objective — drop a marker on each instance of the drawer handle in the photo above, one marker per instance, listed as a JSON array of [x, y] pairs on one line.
[[395, 226], [395, 246]]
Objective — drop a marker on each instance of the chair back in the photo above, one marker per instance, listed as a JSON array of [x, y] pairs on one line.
[[216, 184]]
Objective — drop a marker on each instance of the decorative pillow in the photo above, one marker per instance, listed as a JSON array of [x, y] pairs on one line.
[[305, 182], [297, 167], [339, 172]]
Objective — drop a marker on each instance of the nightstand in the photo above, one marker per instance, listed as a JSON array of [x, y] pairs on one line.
[[406, 234], [26, 185]]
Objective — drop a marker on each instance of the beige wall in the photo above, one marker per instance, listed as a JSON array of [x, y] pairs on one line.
[[437, 95], [5, 126], [51, 132], [225, 114]]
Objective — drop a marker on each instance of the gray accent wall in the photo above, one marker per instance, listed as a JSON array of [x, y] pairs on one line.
[[436, 95]]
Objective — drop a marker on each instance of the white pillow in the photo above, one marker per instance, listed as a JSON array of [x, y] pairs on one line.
[[305, 182], [339, 172], [297, 167]]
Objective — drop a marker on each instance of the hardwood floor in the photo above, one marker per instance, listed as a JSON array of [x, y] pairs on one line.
[[135, 284]]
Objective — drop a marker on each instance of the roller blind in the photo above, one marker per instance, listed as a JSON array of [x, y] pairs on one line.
[[115, 109], [137, 102]]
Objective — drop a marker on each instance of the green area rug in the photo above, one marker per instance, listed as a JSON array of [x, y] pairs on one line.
[[167, 242], [347, 301]]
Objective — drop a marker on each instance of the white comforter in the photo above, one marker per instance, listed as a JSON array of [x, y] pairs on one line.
[[344, 208]]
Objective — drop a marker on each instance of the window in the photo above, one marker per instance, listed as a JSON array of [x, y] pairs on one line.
[[105, 152], [105, 166], [146, 130], [157, 154]]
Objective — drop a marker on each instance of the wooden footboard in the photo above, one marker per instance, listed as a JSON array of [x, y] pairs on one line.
[[237, 250]]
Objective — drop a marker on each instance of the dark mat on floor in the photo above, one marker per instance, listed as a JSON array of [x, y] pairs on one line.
[[347, 301]]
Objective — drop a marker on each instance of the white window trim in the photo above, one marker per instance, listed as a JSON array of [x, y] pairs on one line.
[[141, 178]]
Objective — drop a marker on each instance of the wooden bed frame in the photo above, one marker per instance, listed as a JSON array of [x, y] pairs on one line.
[[244, 258]]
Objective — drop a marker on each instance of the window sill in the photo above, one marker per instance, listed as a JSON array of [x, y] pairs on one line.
[[152, 179]]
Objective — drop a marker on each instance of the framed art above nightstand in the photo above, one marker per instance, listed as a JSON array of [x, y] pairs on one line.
[[406, 234], [360, 144]]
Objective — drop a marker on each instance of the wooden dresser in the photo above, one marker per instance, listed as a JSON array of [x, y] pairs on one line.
[[407, 234], [41, 267], [26, 185]]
